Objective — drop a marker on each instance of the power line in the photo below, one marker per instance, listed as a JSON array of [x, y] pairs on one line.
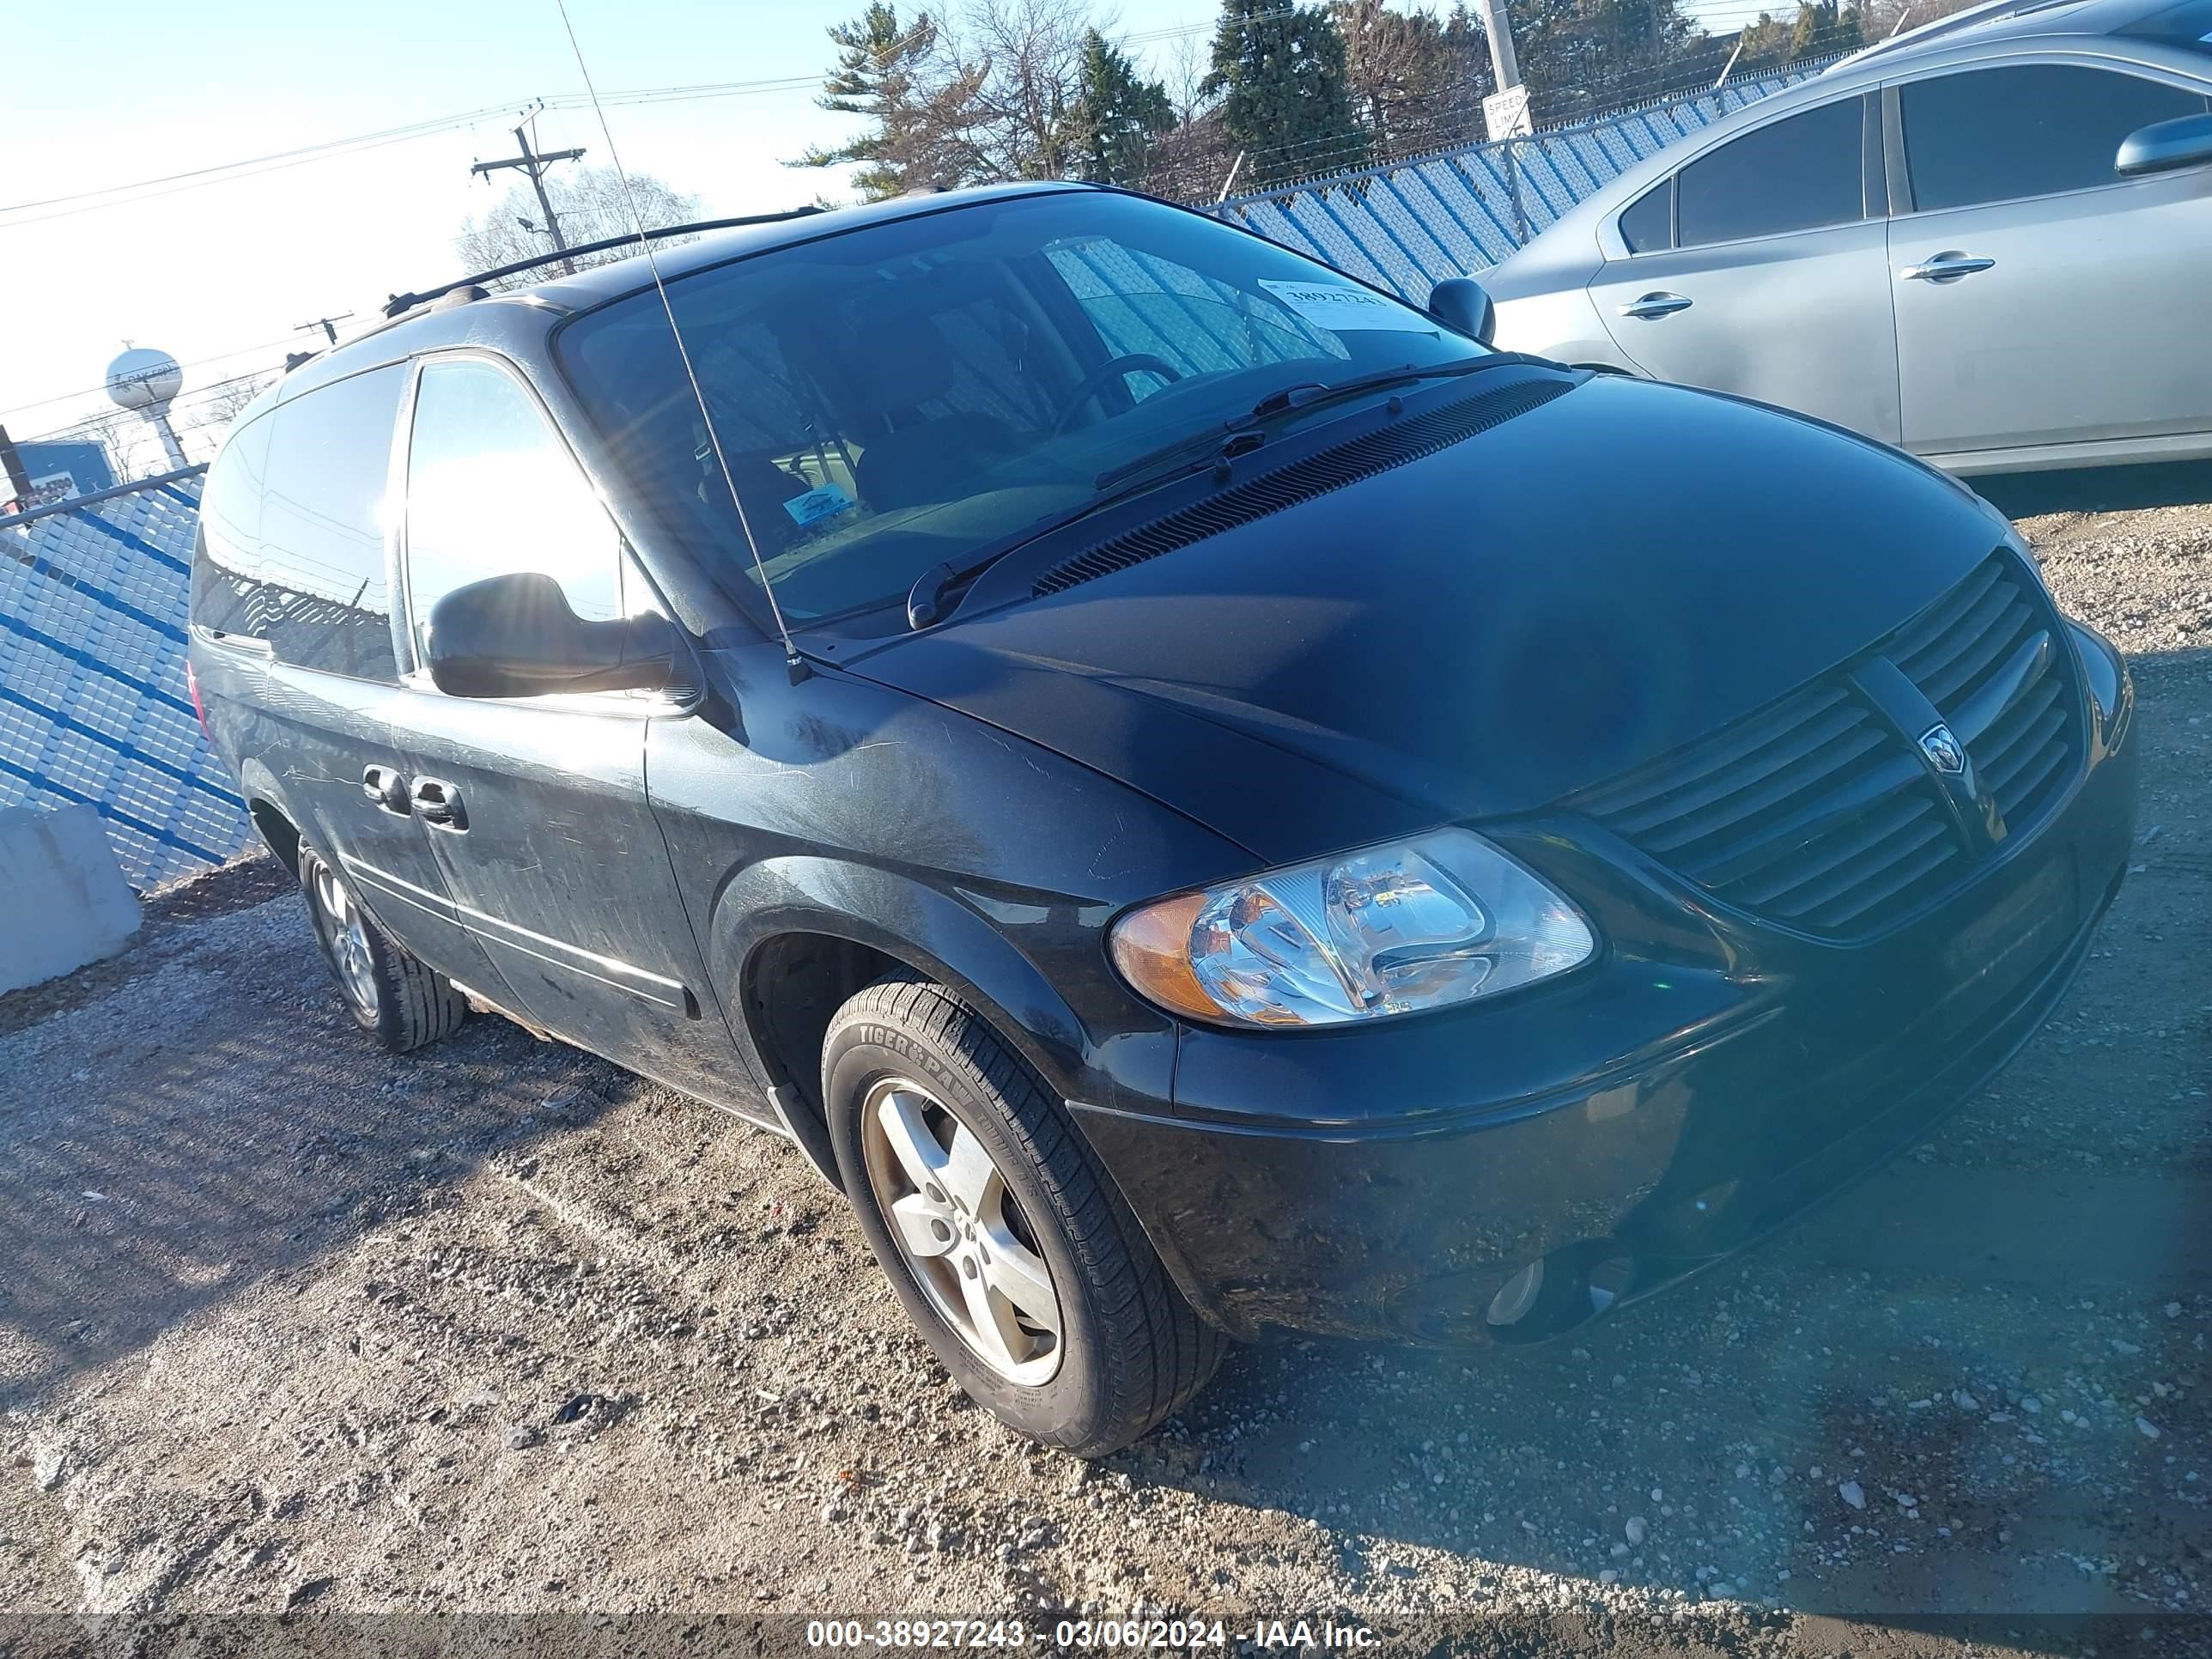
[[196, 362]]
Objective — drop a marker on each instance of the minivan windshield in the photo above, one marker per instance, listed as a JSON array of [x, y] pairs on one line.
[[912, 392]]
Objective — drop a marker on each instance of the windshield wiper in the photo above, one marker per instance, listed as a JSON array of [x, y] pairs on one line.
[[926, 599], [1211, 446], [1218, 442]]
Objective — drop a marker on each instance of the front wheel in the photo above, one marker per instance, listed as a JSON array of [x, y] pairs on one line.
[[1010, 1249], [401, 1001]]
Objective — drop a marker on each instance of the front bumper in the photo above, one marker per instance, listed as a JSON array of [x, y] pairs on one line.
[[1706, 1081]]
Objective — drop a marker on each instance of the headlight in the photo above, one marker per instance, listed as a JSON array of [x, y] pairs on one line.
[[1440, 918]]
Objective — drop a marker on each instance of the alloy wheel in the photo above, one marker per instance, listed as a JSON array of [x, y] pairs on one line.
[[344, 934], [960, 1231]]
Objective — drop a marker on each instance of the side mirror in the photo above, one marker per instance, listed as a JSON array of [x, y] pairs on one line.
[[1461, 305], [2183, 142], [514, 636]]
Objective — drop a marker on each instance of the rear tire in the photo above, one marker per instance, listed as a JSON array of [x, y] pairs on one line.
[[400, 1000], [1094, 1346]]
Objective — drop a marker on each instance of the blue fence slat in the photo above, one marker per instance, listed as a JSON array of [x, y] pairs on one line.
[[1382, 271], [136, 544], [130, 751], [1436, 269], [1555, 170], [115, 814], [75, 584]]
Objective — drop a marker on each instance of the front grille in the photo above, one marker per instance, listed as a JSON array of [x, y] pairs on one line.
[[1818, 810], [1988, 655], [1811, 812]]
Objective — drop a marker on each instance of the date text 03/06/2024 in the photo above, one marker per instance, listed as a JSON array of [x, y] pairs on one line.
[[1101, 1634]]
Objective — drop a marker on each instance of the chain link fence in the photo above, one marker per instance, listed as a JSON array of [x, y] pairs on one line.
[[92, 702], [1408, 224]]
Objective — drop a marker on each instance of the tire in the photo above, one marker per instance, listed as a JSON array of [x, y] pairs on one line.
[[400, 1000], [1121, 1350]]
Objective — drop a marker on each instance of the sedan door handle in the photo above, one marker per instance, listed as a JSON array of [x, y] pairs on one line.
[[384, 786], [1661, 304], [1946, 267], [438, 802]]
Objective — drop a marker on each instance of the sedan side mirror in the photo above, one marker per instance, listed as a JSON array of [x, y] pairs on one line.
[[515, 637], [2183, 142], [1461, 305]]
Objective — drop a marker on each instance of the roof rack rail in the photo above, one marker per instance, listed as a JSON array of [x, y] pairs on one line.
[[399, 303]]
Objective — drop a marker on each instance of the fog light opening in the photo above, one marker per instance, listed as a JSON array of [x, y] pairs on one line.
[[1517, 1294], [1555, 1293]]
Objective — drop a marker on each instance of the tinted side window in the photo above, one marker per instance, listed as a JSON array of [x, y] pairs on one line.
[[1998, 134], [1796, 174], [323, 592], [1649, 225], [226, 553], [491, 491]]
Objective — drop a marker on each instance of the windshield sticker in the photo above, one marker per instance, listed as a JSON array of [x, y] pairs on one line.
[[815, 504], [1338, 306]]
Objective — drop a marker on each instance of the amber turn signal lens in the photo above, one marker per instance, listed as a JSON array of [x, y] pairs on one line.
[[1152, 947]]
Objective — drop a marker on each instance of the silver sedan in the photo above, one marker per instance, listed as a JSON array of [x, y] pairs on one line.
[[1989, 241]]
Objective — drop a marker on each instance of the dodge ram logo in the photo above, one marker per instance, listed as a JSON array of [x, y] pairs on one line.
[[1943, 752]]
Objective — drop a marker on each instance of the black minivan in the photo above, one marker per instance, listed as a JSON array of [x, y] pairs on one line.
[[1200, 796]]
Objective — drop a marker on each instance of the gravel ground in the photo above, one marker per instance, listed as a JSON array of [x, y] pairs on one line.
[[496, 1328]]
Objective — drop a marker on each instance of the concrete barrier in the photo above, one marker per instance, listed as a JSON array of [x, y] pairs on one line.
[[63, 899]]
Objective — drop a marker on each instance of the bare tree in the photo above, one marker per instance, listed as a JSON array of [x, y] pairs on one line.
[[1188, 67], [225, 401], [124, 436], [592, 205], [991, 90], [1024, 58], [1879, 17]]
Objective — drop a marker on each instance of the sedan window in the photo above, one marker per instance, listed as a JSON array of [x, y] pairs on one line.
[[1998, 135], [1648, 226], [1797, 174]]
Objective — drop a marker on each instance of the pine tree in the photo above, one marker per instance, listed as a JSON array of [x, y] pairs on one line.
[[1280, 72], [888, 72], [1820, 29], [1117, 115]]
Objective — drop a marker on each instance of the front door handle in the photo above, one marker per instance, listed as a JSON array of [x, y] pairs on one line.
[[438, 802], [1946, 267], [384, 786], [1658, 304]]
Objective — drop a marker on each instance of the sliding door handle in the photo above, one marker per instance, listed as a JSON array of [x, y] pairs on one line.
[[439, 803]]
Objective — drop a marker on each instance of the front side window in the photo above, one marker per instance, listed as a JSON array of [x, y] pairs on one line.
[[1999, 135], [492, 491], [904, 395], [323, 600], [1796, 174]]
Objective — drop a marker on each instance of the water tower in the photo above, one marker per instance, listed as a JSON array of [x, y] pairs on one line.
[[146, 380]]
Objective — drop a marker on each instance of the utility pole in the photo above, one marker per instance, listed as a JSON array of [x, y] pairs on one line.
[[1505, 69], [1505, 112], [535, 166], [328, 324]]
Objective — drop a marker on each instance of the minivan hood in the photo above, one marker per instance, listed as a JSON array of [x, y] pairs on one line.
[[1477, 633]]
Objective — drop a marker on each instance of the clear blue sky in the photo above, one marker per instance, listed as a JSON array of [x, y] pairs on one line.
[[128, 90]]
